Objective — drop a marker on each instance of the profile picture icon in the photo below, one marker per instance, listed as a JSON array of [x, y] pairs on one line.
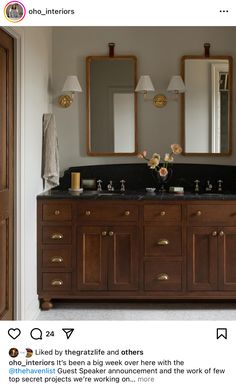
[[14, 11], [13, 352], [29, 352]]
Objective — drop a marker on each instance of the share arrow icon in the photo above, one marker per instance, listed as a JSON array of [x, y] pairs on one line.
[[68, 332]]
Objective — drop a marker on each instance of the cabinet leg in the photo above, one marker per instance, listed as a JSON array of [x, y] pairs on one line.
[[46, 304]]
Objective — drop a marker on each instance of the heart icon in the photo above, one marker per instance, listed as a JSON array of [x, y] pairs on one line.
[[14, 333]]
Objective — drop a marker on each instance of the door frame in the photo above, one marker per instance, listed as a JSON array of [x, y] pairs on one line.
[[19, 275]]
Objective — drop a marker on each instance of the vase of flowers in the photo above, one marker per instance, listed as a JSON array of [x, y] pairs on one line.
[[162, 167]]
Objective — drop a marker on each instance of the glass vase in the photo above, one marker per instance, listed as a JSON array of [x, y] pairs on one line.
[[163, 180]]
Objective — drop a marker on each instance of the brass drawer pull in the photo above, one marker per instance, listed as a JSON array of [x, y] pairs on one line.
[[57, 236], [104, 233], [87, 213], [127, 213], [163, 277], [57, 212], [214, 233], [57, 282], [162, 213], [221, 233], [163, 242], [199, 213], [57, 259], [111, 233]]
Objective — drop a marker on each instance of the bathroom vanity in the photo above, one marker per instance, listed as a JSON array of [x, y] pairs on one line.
[[136, 246]]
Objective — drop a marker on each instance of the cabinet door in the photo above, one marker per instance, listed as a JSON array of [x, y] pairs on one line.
[[122, 258], [202, 258], [91, 258], [227, 258]]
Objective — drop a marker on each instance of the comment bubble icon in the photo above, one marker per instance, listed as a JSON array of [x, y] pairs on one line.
[[36, 334]]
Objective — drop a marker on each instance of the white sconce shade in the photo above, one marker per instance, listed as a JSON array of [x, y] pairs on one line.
[[72, 84], [176, 85], [144, 84]]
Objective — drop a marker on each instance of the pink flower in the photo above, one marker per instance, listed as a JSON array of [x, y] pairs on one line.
[[153, 162], [142, 154], [168, 158], [156, 156], [163, 171], [176, 149]]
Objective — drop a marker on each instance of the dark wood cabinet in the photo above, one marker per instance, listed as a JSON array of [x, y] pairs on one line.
[[136, 250], [91, 258], [107, 258], [227, 258], [164, 252], [211, 248], [202, 256]]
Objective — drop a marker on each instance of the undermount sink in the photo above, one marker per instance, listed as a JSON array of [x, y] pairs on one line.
[[116, 195], [212, 194], [113, 194]]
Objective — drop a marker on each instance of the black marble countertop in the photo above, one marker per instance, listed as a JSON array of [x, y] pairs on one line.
[[133, 195]]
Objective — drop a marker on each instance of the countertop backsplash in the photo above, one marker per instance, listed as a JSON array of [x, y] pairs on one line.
[[139, 176]]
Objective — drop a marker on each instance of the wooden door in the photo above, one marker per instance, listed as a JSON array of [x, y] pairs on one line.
[[227, 258], [202, 258], [91, 258], [122, 258], [6, 176]]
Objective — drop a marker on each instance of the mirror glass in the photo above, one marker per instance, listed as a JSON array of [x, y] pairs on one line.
[[206, 105], [111, 105]]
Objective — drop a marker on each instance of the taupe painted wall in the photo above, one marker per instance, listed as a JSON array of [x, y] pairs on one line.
[[159, 50]]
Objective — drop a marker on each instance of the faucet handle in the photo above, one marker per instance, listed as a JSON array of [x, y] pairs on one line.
[[122, 188], [110, 186], [219, 188], [208, 186], [196, 188], [99, 187]]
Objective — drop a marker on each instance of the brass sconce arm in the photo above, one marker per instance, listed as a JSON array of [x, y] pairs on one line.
[[145, 85]]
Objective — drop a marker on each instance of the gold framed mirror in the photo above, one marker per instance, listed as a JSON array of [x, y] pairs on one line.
[[206, 106], [111, 105]]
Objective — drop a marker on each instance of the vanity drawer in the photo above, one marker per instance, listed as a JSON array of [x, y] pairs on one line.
[[211, 213], [56, 258], [162, 212], [107, 212], [56, 281], [162, 241], [56, 212], [163, 276], [57, 234]]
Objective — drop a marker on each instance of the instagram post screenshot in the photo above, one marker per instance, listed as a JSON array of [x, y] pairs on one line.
[[117, 193]]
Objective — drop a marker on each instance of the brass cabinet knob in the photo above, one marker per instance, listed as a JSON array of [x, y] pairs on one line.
[[111, 233], [127, 213], [57, 236], [199, 213], [57, 259], [162, 213], [57, 282], [163, 277], [214, 233], [87, 213], [104, 233], [57, 212], [163, 242], [221, 233]]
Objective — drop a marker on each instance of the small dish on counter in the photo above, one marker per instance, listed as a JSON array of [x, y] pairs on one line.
[[150, 189]]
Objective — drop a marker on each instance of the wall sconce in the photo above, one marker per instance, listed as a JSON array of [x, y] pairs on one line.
[[72, 86], [176, 86]]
